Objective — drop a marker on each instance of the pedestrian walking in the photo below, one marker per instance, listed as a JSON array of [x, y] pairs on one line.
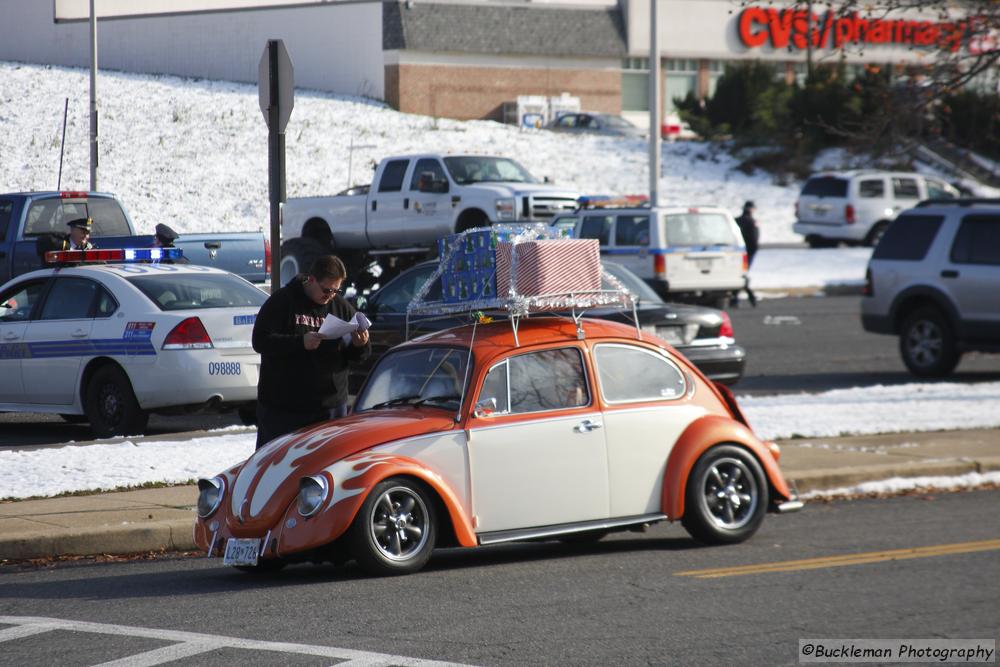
[[303, 375], [751, 236]]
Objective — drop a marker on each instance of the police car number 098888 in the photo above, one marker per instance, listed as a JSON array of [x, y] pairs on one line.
[[224, 368]]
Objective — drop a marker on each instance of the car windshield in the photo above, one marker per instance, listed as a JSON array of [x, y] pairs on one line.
[[633, 283], [422, 376], [480, 169], [192, 291]]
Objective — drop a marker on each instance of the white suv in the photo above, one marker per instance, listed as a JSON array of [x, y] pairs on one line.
[[934, 280], [857, 206]]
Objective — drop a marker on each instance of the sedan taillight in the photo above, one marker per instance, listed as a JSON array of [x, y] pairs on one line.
[[726, 329], [188, 335], [660, 266]]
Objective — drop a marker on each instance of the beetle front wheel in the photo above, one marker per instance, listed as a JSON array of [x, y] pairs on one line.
[[395, 529]]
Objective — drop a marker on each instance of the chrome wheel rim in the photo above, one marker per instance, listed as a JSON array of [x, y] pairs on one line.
[[398, 524], [924, 342], [730, 493]]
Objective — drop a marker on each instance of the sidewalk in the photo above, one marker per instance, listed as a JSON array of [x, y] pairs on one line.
[[162, 519]]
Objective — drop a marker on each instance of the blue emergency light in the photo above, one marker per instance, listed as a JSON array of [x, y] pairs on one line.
[[101, 255]]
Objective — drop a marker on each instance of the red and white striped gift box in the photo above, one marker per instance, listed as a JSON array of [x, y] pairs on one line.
[[549, 267]]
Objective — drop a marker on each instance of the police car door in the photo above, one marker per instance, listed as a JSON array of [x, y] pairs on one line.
[[60, 341], [428, 212], [16, 306]]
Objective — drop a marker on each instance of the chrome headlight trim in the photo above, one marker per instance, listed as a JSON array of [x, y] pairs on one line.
[[210, 495], [313, 492]]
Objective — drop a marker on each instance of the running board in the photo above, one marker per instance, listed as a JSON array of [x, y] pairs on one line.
[[498, 536]]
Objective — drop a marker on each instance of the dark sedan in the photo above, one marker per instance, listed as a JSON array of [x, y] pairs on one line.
[[703, 335]]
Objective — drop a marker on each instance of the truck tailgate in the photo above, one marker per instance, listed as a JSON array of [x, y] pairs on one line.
[[242, 253]]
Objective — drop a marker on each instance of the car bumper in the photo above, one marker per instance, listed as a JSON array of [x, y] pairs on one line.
[[197, 377], [720, 363], [831, 230]]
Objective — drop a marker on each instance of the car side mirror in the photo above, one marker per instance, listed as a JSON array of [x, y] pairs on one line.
[[485, 408]]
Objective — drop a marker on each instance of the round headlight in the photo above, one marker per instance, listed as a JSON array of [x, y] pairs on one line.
[[312, 494], [210, 492]]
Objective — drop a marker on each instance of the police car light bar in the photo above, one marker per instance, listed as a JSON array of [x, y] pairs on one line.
[[607, 201], [123, 255]]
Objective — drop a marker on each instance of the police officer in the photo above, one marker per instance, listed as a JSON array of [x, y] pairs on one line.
[[164, 238], [79, 235]]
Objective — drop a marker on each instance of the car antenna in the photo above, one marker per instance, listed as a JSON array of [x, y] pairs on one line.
[[62, 146]]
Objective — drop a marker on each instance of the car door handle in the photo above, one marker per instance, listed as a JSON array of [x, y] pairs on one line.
[[374, 204], [588, 425], [949, 273], [406, 203], [79, 333]]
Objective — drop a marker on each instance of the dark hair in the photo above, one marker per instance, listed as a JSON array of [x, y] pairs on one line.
[[328, 267]]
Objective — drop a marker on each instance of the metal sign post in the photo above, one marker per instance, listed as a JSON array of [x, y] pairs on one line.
[[276, 92]]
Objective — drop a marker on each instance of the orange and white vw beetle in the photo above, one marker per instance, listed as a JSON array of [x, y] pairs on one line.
[[490, 433]]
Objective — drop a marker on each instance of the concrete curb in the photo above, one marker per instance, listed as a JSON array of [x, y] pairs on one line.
[[172, 535]]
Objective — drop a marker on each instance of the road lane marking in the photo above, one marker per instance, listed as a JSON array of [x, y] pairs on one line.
[[193, 643], [841, 561]]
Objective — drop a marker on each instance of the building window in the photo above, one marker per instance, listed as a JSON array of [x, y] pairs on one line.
[[681, 80], [635, 84]]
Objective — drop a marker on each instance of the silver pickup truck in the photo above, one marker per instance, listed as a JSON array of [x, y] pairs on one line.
[[27, 216], [413, 201]]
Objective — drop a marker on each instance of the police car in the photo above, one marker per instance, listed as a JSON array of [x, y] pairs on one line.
[[109, 336]]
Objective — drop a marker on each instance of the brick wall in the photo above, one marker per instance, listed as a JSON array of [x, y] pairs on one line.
[[468, 92]]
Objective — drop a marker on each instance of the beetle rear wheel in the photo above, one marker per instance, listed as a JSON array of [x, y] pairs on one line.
[[395, 529], [726, 496]]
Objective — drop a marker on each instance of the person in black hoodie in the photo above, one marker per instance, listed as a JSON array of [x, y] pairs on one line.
[[303, 376]]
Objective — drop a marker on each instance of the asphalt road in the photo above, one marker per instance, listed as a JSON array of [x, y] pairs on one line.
[[806, 344], [632, 599]]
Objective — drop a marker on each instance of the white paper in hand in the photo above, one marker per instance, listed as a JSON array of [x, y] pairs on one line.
[[334, 327], [360, 323]]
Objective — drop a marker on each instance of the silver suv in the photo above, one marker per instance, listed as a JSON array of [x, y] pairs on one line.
[[857, 206], [934, 280]]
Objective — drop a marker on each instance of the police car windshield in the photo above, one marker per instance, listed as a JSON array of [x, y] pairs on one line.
[[193, 291], [479, 169], [431, 376]]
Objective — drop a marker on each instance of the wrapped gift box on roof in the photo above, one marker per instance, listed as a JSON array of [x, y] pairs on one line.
[[543, 267]]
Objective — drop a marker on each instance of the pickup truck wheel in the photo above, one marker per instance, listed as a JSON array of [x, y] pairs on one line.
[[111, 406], [471, 220], [297, 255]]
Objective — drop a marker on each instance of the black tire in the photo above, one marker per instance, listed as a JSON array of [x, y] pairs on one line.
[[395, 529], [471, 220], [876, 233], [726, 496], [927, 343], [248, 414], [111, 406], [298, 254], [74, 419]]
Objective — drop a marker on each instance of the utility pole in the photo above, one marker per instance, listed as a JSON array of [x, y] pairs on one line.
[[654, 106], [93, 97]]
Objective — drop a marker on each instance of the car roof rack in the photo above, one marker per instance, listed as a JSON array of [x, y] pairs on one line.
[[513, 305], [967, 201]]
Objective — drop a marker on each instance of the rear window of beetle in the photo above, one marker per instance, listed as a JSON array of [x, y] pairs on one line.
[[825, 186], [195, 291]]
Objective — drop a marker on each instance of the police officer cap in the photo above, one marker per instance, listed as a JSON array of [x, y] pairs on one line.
[[165, 233], [82, 223]]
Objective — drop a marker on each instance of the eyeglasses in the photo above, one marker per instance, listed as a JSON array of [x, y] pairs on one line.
[[330, 291]]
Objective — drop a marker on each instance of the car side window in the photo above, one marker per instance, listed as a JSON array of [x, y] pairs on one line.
[[423, 166], [596, 227], [908, 238], [871, 188], [632, 230], [106, 304], [546, 380], [5, 210], [392, 176], [905, 188], [70, 299], [938, 190], [496, 387], [977, 241], [395, 297], [17, 303], [568, 120], [628, 373]]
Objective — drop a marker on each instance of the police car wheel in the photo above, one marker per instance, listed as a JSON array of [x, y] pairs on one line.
[[111, 406]]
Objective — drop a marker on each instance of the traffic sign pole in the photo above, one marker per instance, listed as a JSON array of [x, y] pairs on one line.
[[276, 91]]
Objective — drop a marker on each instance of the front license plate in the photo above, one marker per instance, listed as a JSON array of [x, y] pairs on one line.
[[241, 552]]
